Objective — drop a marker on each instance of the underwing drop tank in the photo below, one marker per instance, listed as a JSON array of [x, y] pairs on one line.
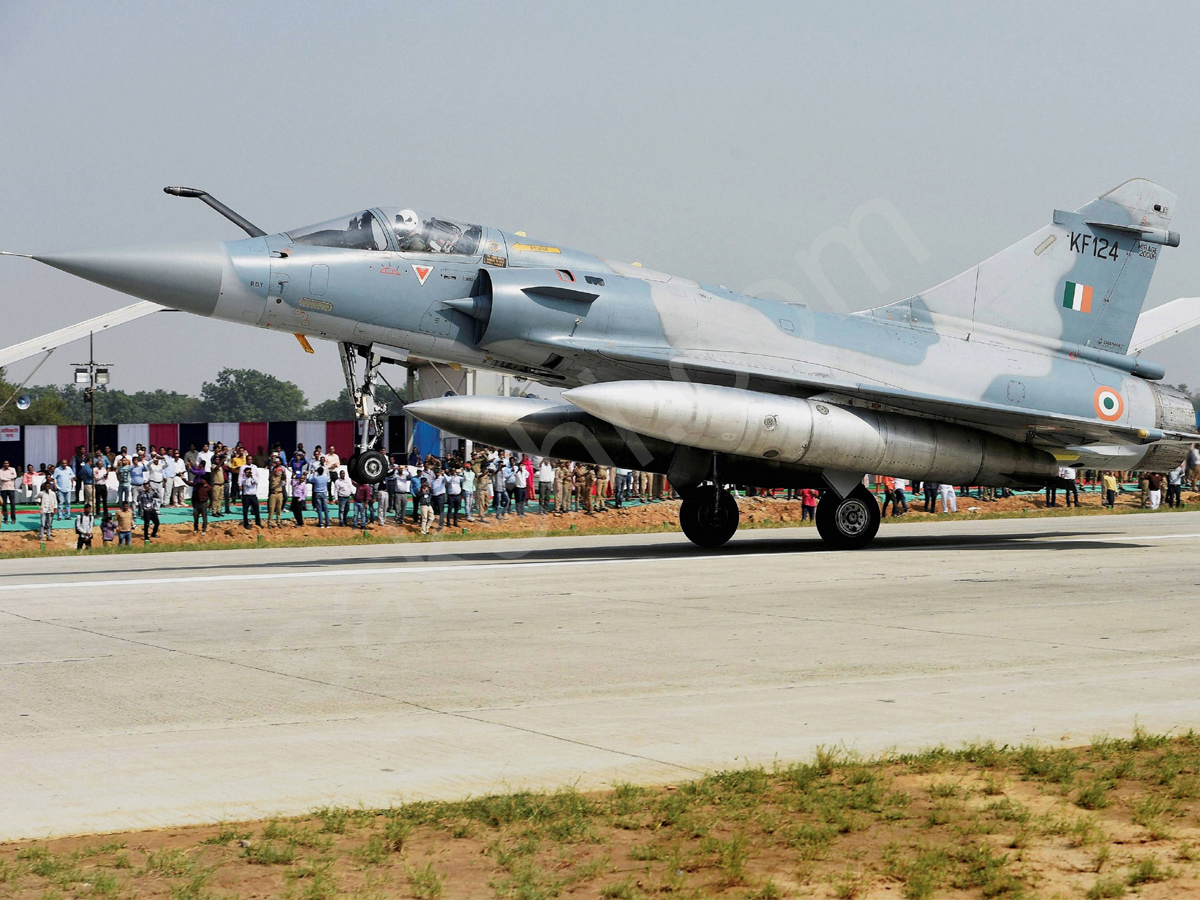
[[812, 433]]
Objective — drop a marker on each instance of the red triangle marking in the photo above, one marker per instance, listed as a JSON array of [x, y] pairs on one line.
[[422, 272]]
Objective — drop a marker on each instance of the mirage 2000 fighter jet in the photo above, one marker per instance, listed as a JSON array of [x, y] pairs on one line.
[[994, 377]]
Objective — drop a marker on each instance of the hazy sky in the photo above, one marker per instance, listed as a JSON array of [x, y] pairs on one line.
[[715, 141]]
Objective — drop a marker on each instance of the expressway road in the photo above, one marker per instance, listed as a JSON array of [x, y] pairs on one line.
[[163, 689]]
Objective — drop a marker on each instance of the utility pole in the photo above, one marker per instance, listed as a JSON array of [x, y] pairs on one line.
[[91, 373]]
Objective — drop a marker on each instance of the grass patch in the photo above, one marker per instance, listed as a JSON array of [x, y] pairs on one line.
[[945, 821]]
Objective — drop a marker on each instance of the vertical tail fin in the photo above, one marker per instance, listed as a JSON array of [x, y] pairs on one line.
[[1081, 279]]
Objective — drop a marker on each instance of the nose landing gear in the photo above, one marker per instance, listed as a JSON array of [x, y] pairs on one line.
[[367, 463]]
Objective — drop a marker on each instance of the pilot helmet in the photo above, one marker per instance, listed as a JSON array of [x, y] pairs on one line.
[[406, 220]]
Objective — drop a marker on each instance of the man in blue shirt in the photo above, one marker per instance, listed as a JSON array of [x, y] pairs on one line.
[[64, 482], [319, 480], [87, 480], [138, 474]]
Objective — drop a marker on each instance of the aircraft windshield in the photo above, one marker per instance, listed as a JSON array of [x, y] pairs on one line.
[[361, 231], [418, 232]]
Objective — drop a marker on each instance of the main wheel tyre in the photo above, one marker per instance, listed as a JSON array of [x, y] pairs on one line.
[[352, 469], [848, 523], [372, 467], [708, 517]]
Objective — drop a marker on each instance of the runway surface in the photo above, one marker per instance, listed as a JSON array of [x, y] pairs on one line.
[[163, 689]]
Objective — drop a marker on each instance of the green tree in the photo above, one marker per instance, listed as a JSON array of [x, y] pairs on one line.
[[339, 407], [247, 395]]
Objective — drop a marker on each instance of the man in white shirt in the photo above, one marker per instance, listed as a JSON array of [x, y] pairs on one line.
[[8, 493], [343, 493], [901, 498], [545, 486], [155, 476], [248, 482], [168, 485], [177, 486]]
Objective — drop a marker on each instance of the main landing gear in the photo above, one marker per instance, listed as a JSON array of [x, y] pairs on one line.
[[367, 464], [850, 522], [708, 515]]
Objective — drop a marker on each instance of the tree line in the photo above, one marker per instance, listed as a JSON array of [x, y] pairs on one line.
[[235, 395]]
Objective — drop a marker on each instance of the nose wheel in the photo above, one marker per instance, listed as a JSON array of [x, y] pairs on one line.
[[850, 522], [370, 467], [708, 516]]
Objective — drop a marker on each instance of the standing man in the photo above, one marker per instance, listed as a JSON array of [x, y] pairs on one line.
[[343, 492], [124, 478], [1154, 482], [423, 500], [454, 493], [64, 484], [8, 493], [178, 484], [1068, 474], [276, 487], [248, 485], [201, 493], [86, 478], [157, 477], [217, 480], [438, 489], [362, 505], [889, 496], [48, 506], [319, 482], [1108, 481], [949, 498], [168, 477], [562, 488], [85, 524], [401, 488], [148, 504], [482, 480], [545, 485], [100, 477], [1175, 485], [1193, 465]]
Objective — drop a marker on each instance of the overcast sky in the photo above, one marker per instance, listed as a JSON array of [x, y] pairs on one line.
[[715, 141]]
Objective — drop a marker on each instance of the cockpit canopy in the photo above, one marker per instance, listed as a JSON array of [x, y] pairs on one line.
[[418, 232], [410, 230], [361, 231]]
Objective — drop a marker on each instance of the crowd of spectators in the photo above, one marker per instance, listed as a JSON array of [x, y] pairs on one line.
[[115, 489]]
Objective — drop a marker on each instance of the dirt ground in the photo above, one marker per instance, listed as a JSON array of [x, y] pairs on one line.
[[759, 511], [981, 821]]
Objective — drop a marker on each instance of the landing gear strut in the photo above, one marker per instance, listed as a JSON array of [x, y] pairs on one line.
[[850, 522], [708, 515], [366, 464]]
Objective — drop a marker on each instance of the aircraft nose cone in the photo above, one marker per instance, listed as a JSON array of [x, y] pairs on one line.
[[186, 276]]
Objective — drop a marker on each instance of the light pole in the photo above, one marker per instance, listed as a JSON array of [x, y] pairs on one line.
[[91, 373]]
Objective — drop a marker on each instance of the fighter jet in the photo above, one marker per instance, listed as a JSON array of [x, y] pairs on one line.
[[998, 376]]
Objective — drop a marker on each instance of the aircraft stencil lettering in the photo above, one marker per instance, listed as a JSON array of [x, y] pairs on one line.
[[1100, 246], [990, 378]]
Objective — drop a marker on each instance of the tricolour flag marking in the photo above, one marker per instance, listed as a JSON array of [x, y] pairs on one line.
[[1077, 297]]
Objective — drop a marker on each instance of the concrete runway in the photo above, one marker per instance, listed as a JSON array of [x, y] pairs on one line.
[[173, 688]]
